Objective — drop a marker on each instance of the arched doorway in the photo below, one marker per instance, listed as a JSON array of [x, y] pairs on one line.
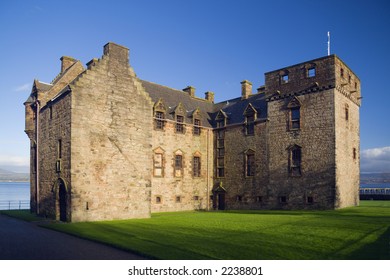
[[63, 200]]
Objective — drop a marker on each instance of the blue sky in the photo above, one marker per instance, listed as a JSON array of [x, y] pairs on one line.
[[210, 44]]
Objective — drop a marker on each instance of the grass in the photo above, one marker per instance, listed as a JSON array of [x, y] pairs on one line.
[[353, 233]]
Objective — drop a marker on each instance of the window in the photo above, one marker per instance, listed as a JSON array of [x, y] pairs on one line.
[[346, 113], [178, 199], [238, 198], [284, 79], [59, 149], [196, 127], [50, 112], [179, 124], [220, 123], [159, 120], [196, 197], [178, 165], [220, 172], [221, 153], [311, 72], [310, 200], [158, 165], [259, 199], [354, 153], [295, 160], [250, 164], [158, 199], [250, 125], [196, 166], [283, 199], [342, 73], [295, 118]]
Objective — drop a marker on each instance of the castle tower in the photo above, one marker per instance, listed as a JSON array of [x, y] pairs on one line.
[[313, 140]]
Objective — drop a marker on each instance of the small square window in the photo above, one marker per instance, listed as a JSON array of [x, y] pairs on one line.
[[283, 199], [311, 72], [284, 78], [196, 197], [158, 199], [178, 199], [310, 200], [238, 198], [259, 199]]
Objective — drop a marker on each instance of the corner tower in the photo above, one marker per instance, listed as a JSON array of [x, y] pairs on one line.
[[313, 140]]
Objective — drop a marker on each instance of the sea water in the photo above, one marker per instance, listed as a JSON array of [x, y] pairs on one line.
[[14, 195]]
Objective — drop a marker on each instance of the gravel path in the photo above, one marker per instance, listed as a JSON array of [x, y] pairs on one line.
[[21, 240]]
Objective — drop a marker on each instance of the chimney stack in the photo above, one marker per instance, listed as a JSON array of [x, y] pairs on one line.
[[190, 90], [246, 89], [209, 96], [66, 62]]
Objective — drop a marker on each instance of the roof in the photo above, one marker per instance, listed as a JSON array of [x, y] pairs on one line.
[[173, 97], [233, 108]]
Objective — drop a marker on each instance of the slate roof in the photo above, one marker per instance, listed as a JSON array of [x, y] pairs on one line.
[[172, 97], [233, 108]]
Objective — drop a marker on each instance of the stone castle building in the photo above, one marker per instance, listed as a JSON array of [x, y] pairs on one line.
[[108, 145]]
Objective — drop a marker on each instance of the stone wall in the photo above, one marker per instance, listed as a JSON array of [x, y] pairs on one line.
[[242, 191], [111, 141], [347, 103], [316, 137], [54, 155], [179, 192]]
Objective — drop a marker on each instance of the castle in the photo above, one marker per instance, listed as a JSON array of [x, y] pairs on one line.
[[108, 145]]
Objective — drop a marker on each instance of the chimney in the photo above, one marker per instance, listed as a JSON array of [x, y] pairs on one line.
[[209, 96], [190, 90], [246, 89], [117, 52], [66, 62], [261, 90]]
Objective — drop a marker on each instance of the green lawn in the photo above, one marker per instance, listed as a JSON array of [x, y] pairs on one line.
[[353, 233]]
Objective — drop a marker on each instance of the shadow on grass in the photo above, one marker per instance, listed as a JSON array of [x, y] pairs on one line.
[[378, 250]]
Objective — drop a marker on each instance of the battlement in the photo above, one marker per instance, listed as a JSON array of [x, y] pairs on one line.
[[328, 71]]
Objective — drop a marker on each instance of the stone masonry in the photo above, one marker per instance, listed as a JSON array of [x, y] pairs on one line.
[[108, 145]]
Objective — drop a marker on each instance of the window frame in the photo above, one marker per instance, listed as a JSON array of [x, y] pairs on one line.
[[250, 164], [295, 161], [179, 127], [295, 122], [159, 118], [178, 165], [196, 166], [197, 127]]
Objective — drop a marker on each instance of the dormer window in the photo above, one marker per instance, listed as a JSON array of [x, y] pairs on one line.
[[196, 126], [250, 114], [220, 119], [159, 120], [179, 124]]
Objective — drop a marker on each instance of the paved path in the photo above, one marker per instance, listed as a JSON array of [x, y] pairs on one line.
[[21, 240]]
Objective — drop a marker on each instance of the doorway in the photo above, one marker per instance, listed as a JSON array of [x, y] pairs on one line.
[[63, 200]]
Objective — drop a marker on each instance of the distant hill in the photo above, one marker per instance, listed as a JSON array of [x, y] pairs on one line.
[[6, 176], [377, 178]]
